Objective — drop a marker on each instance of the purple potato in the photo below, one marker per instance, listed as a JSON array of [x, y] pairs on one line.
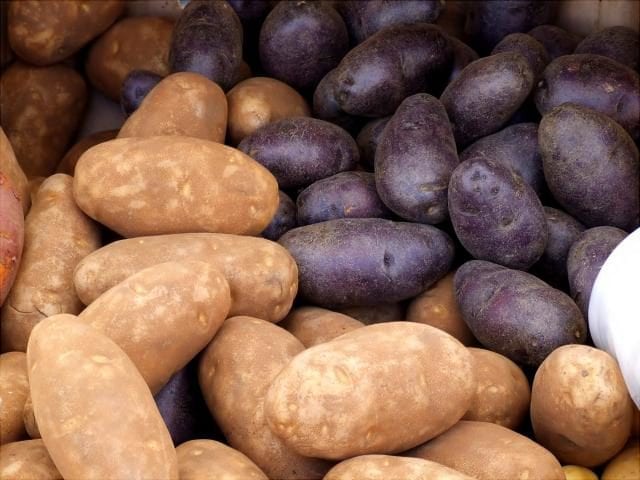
[[135, 87], [528, 47], [368, 140], [284, 219], [622, 44], [250, 10], [325, 105], [463, 55], [556, 41]]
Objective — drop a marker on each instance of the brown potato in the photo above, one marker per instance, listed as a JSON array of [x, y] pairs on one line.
[[183, 103], [43, 33], [30, 424], [235, 372], [40, 110], [14, 388], [314, 325], [503, 393], [133, 43], [11, 168], [27, 460], [437, 306], [625, 465], [257, 101], [68, 163], [577, 394], [384, 312], [11, 235], [208, 459]]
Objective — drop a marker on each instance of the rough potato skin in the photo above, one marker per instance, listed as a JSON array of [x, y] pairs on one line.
[[622, 44], [486, 93], [10, 167], [368, 140], [556, 41], [591, 166], [57, 236], [578, 393], [14, 389], [135, 87], [527, 46], [385, 467], [236, 370], [378, 313], [203, 459], [27, 460], [104, 422], [284, 220], [40, 110], [314, 325], [43, 33], [360, 394], [68, 163], [516, 314], [495, 214], [11, 235]]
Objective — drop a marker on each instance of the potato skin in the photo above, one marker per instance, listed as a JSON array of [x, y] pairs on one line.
[[577, 393], [619, 43], [11, 234], [368, 140], [365, 261], [14, 389], [206, 187], [10, 167], [591, 166], [495, 214], [202, 459], [43, 33], [490, 295], [105, 410], [283, 220], [27, 460], [383, 467], [135, 87], [326, 107], [574, 472], [556, 41], [625, 465], [314, 325], [527, 46], [68, 163]]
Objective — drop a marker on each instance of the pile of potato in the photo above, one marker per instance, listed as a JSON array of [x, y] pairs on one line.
[[303, 240]]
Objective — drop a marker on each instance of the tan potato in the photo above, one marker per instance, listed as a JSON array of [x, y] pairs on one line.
[[10, 167], [162, 316], [379, 389], [134, 43], [43, 33], [27, 460], [160, 185], [96, 415], [68, 163], [14, 389], [367, 314], [208, 459], [625, 465], [437, 306], [183, 103], [235, 372], [503, 393], [577, 394], [262, 275], [314, 325], [57, 236], [40, 110], [486, 451], [574, 472], [387, 467], [29, 418], [257, 101]]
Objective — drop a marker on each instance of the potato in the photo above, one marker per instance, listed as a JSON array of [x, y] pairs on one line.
[[105, 410], [11, 234], [486, 451], [181, 104], [556, 41], [27, 460], [516, 314], [283, 220], [205, 459], [10, 167], [577, 394], [326, 107], [574, 472], [385, 467], [235, 372], [135, 87], [594, 82], [591, 166], [29, 418], [314, 325], [368, 140], [625, 465], [496, 215], [262, 276], [378, 313], [258, 101], [502, 395], [41, 109], [527, 46], [57, 236], [14, 388], [43, 33], [204, 187], [133, 43], [463, 55], [68, 163], [300, 150], [249, 10], [470, 99], [372, 260], [619, 43]]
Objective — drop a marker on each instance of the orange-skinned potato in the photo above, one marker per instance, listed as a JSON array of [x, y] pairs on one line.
[[14, 389], [10, 167], [208, 459], [27, 460], [68, 163], [314, 325]]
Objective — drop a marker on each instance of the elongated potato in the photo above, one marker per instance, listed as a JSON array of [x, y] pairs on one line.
[[361, 394], [104, 422], [160, 185], [162, 316], [57, 236], [27, 460], [314, 325], [386, 467], [68, 163], [10, 167], [208, 459], [236, 370], [262, 276], [183, 103], [14, 389], [11, 235]]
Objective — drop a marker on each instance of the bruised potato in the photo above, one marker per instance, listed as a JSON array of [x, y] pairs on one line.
[[203, 459], [314, 325], [14, 389]]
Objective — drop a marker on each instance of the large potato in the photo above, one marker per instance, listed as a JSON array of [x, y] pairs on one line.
[[580, 408], [208, 459], [619, 43], [236, 370], [360, 393], [57, 236], [10, 167], [386, 467], [14, 389], [262, 276], [625, 465], [11, 234], [104, 423], [173, 184], [27, 460], [314, 325], [68, 163]]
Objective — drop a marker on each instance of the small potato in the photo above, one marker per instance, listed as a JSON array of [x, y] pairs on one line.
[[173, 184], [556, 41], [181, 104], [208, 459], [68, 163], [10, 167], [258, 101], [11, 234], [41, 108], [57, 236], [30, 424], [43, 33], [625, 465], [104, 423], [368, 140], [133, 43], [574, 472], [527, 46], [379, 313], [284, 219], [14, 389], [27, 460], [314, 325], [619, 43], [135, 87]]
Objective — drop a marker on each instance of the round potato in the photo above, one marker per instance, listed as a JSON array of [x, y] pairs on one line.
[[30, 424], [11, 234], [208, 459], [27, 460], [625, 465], [575, 472], [386, 467], [314, 325], [10, 167], [68, 163], [14, 389], [379, 313]]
